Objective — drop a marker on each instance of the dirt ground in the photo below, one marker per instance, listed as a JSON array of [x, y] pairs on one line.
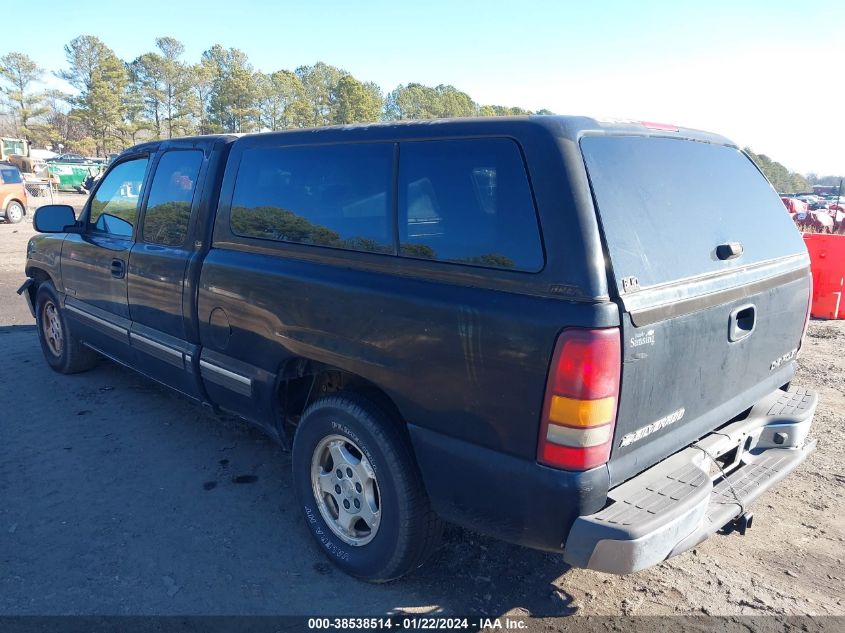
[[107, 507]]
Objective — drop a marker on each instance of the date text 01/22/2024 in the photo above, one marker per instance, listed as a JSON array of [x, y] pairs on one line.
[[417, 623]]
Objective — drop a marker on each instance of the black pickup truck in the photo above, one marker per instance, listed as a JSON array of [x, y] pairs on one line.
[[572, 334]]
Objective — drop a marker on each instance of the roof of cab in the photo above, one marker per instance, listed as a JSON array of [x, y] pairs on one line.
[[203, 141], [564, 127]]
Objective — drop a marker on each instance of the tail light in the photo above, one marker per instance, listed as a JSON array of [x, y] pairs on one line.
[[579, 412]]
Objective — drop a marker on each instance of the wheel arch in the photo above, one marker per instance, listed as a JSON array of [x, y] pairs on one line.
[[301, 381], [39, 276], [19, 201]]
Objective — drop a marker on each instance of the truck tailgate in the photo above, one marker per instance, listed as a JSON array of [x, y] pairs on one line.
[[713, 284]]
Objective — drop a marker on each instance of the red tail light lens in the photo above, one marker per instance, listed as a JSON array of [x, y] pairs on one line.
[[579, 412]]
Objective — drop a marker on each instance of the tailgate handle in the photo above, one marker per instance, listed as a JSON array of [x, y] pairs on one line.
[[743, 322], [729, 250]]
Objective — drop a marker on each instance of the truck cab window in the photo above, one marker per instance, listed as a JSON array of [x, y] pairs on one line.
[[171, 196], [114, 206], [468, 202], [335, 195]]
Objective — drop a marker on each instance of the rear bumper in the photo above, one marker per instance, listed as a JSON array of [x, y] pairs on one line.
[[504, 496], [681, 501]]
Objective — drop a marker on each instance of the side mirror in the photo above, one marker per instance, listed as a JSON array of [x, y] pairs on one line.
[[113, 224], [54, 218]]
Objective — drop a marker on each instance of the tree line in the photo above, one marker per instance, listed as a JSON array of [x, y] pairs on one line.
[[786, 181], [158, 95], [783, 180], [161, 95]]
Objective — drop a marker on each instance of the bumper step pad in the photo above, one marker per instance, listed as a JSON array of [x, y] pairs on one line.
[[677, 487], [748, 483]]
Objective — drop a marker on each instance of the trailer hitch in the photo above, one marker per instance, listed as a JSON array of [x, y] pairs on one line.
[[740, 524]]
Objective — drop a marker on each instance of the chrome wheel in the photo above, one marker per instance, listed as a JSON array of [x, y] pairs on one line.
[[346, 490], [51, 327]]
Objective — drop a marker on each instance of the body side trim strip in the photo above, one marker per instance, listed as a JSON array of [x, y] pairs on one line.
[[96, 319], [165, 353], [148, 341], [225, 378]]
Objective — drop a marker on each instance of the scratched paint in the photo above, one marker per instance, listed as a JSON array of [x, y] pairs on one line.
[[469, 331]]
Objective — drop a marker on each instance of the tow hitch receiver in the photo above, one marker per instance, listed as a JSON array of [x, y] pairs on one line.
[[739, 524]]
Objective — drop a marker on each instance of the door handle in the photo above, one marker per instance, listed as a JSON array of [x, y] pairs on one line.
[[118, 268], [742, 323], [730, 250]]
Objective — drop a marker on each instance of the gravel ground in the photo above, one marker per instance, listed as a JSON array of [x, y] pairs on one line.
[[120, 497]]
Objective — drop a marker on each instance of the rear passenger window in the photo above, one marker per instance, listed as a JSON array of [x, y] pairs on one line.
[[468, 201], [171, 195], [114, 207], [331, 195]]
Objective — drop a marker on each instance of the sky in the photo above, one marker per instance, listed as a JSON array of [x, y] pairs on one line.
[[769, 75]]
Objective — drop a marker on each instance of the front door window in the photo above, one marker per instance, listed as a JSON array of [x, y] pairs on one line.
[[114, 206]]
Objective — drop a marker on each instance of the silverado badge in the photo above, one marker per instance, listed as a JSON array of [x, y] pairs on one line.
[[648, 429]]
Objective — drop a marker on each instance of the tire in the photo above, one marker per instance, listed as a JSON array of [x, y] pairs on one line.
[[401, 530], [14, 212], [63, 351]]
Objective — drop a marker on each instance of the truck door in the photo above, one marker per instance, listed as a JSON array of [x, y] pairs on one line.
[[158, 302], [94, 262]]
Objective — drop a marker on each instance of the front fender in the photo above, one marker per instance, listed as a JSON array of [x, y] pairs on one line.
[[43, 259]]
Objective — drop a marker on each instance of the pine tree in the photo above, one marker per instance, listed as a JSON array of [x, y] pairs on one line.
[[18, 71], [101, 80]]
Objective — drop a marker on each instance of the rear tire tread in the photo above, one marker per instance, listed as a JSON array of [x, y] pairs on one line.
[[421, 530]]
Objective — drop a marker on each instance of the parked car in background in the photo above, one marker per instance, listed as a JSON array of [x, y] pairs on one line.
[[13, 196]]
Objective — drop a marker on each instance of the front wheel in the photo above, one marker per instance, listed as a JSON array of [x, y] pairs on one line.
[[63, 351], [360, 489], [14, 212]]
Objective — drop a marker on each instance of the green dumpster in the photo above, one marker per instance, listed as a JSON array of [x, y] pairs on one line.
[[72, 175]]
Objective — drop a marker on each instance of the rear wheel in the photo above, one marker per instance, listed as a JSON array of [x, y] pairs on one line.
[[63, 351], [360, 489], [14, 212]]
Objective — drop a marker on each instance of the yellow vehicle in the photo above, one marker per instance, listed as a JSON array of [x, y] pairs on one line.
[[13, 146]]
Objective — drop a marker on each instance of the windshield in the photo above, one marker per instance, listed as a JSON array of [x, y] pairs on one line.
[[14, 146]]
